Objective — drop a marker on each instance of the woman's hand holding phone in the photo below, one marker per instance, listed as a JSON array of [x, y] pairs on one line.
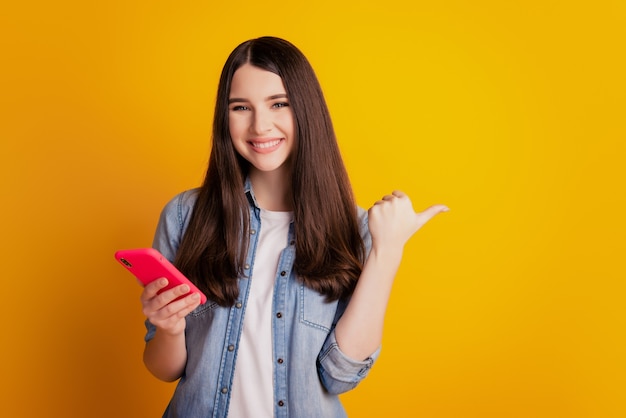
[[168, 296], [163, 309]]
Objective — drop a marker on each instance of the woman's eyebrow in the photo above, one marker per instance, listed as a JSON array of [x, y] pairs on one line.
[[272, 97], [277, 96]]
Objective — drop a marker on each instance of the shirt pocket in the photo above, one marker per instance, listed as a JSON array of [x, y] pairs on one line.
[[315, 311], [202, 310]]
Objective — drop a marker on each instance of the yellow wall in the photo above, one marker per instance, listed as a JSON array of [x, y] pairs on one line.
[[510, 112]]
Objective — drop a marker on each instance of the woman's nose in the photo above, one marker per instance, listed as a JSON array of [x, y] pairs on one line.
[[261, 122]]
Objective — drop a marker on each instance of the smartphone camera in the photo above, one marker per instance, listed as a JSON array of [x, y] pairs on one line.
[[126, 262]]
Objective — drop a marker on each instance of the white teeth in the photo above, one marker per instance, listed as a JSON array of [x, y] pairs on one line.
[[266, 144]]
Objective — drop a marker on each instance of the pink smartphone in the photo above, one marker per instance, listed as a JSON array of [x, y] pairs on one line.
[[147, 265]]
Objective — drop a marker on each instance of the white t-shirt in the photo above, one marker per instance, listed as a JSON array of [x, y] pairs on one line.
[[252, 393]]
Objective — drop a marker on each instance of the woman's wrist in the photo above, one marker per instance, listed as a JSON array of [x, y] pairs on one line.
[[386, 253]]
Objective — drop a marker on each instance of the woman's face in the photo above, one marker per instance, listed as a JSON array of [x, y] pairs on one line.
[[260, 120]]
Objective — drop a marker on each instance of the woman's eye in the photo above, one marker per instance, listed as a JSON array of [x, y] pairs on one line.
[[280, 104], [240, 107]]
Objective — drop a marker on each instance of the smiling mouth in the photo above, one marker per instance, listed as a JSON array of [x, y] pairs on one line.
[[268, 144]]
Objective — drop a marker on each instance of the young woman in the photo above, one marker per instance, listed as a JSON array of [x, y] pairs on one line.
[[297, 276]]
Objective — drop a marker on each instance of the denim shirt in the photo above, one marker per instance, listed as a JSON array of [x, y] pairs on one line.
[[310, 371]]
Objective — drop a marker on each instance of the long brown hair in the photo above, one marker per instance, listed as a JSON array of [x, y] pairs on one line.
[[329, 248]]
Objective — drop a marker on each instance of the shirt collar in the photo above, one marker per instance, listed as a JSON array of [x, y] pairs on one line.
[[247, 188]]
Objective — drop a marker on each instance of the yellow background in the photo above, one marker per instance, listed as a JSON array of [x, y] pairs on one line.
[[510, 112]]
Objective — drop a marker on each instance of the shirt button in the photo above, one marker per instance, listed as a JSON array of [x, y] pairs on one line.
[[279, 315], [282, 273], [247, 266], [231, 348], [224, 390], [280, 361], [238, 305], [252, 231], [281, 403]]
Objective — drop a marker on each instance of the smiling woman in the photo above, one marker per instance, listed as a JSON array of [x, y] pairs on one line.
[[297, 285]]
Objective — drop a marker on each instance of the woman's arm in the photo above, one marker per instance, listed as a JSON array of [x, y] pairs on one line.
[[392, 221], [165, 355]]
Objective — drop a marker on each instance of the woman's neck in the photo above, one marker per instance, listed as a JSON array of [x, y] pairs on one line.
[[272, 189]]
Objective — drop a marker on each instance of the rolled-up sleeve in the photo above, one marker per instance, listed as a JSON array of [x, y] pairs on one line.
[[338, 372]]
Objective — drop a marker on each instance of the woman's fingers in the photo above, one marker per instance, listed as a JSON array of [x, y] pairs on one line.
[[170, 318], [152, 289], [163, 304], [167, 309], [390, 197], [178, 309], [431, 212]]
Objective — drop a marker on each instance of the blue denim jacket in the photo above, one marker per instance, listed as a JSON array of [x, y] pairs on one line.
[[309, 369]]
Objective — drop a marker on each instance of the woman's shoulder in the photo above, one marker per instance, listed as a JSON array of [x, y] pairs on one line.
[[181, 205], [173, 222], [362, 217], [187, 198], [361, 214]]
